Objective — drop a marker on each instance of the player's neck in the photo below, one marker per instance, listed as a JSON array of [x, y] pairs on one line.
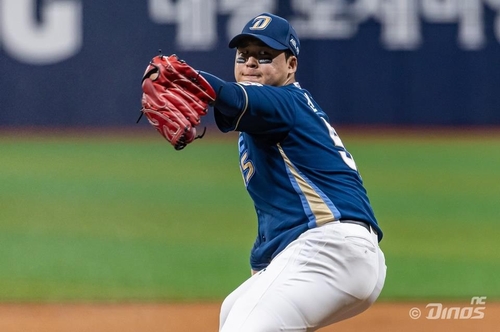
[[289, 80]]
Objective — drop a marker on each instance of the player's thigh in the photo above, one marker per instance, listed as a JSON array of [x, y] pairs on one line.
[[319, 275], [356, 309], [230, 300], [337, 271], [248, 308]]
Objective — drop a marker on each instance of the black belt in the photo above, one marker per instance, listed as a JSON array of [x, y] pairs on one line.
[[357, 222]]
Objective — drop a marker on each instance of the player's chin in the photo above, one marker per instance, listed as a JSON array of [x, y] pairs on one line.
[[253, 79]]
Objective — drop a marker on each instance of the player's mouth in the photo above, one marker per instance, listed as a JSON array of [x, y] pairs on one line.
[[251, 78]]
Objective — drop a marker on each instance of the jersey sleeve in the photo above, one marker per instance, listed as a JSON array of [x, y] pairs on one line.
[[251, 107], [269, 110]]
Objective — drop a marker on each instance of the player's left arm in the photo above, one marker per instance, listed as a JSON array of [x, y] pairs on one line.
[[230, 99], [251, 107]]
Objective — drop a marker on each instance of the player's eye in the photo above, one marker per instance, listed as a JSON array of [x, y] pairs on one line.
[[265, 57], [262, 57]]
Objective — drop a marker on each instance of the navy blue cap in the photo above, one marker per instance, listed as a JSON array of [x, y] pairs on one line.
[[272, 30]]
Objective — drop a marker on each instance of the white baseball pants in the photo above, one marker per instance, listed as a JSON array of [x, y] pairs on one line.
[[330, 273]]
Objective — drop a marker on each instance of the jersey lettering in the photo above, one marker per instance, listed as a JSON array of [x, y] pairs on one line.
[[310, 103], [346, 156]]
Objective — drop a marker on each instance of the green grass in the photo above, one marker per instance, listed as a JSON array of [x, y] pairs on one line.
[[130, 219], [438, 202]]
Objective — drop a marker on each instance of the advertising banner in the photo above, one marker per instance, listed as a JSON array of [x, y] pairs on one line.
[[373, 62]]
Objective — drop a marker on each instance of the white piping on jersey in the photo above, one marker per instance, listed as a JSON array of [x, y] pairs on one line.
[[246, 106], [317, 206]]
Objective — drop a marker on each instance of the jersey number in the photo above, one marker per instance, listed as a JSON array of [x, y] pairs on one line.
[[346, 157], [247, 168]]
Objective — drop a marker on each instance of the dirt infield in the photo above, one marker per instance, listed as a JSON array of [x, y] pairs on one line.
[[386, 317]]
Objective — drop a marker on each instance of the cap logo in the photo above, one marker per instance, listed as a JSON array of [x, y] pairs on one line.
[[293, 42], [260, 22]]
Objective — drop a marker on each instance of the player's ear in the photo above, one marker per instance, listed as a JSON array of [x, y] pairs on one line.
[[292, 64]]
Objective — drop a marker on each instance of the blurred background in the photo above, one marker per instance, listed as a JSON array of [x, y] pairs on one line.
[[406, 62], [92, 208]]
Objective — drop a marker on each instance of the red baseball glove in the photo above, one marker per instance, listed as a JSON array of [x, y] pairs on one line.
[[175, 97]]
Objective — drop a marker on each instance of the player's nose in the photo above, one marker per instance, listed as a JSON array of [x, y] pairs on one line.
[[252, 62]]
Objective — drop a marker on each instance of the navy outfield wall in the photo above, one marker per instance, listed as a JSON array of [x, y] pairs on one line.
[[409, 62]]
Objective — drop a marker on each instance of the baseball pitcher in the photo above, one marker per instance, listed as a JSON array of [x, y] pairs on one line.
[[316, 259]]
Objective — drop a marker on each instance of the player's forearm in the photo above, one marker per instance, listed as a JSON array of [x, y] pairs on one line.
[[231, 99]]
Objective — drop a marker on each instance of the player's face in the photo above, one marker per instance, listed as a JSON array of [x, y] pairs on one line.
[[257, 62]]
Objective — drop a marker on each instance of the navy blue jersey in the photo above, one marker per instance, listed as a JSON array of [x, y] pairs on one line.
[[293, 163]]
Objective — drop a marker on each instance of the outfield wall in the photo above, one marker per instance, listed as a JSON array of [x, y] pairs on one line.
[[422, 62]]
